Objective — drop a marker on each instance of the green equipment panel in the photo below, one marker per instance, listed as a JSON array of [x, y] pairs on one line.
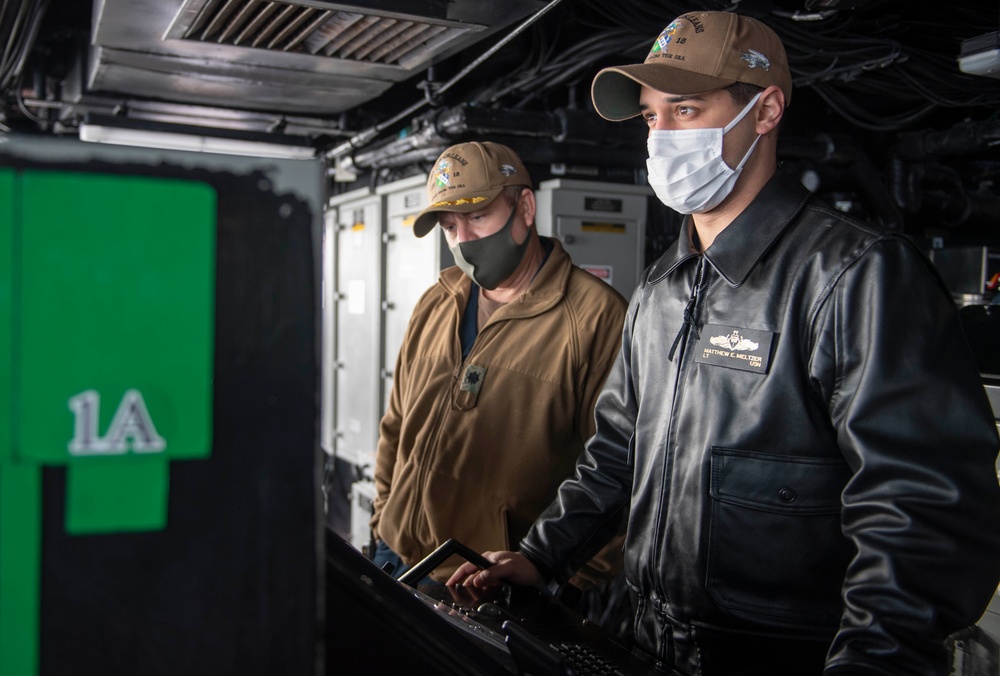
[[106, 359], [116, 316]]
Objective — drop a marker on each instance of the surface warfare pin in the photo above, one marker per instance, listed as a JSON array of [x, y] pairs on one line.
[[735, 347], [472, 381]]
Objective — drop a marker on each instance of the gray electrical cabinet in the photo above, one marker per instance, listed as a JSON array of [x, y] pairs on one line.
[[355, 229], [601, 225], [412, 265], [374, 272], [328, 331]]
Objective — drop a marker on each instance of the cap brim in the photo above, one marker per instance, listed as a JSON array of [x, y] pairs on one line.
[[428, 218], [615, 90]]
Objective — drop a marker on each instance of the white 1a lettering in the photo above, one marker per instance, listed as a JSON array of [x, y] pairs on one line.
[[85, 407], [132, 426]]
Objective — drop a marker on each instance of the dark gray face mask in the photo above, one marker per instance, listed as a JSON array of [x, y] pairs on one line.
[[490, 260]]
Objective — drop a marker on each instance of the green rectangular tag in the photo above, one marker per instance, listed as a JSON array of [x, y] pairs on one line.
[[116, 306]]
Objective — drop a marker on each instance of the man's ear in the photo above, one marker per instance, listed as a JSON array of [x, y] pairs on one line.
[[771, 109], [528, 206]]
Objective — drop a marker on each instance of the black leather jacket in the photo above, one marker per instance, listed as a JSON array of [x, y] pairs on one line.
[[816, 460]]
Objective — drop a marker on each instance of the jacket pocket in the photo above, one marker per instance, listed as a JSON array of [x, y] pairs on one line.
[[776, 551]]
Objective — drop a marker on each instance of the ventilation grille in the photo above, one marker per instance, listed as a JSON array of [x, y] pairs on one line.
[[287, 27]]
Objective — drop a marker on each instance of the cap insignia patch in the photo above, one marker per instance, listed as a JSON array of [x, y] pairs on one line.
[[507, 170], [664, 38], [755, 59], [443, 177]]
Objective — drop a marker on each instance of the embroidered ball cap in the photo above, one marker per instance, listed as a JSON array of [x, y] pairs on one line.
[[466, 178], [697, 53]]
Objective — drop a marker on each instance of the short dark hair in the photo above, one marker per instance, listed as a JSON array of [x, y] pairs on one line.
[[510, 193], [742, 92]]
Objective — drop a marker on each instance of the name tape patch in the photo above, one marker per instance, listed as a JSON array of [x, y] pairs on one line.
[[735, 348]]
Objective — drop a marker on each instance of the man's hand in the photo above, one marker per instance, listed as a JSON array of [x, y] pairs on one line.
[[507, 566]]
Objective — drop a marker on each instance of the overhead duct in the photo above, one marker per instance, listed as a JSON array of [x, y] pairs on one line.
[[356, 36], [302, 57]]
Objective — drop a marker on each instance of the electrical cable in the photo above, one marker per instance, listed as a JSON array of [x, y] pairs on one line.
[[570, 64], [842, 55], [15, 43], [33, 26], [366, 136], [846, 108], [24, 109]]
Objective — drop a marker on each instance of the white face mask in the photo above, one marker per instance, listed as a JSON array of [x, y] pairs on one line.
[[686, 169]]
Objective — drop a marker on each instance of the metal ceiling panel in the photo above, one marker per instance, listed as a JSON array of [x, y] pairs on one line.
[[298, 57], [257, 87]]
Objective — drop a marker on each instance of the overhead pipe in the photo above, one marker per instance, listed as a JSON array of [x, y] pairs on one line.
[[392, 156], [929, 187], [565, 127], [842, 151], [465, 119], [963, 138], [366, 136], [920, 183]]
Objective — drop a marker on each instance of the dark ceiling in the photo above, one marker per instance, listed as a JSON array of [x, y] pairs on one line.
[[883, 117]]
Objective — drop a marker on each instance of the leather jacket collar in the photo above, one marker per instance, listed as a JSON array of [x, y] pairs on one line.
[[736, 250]]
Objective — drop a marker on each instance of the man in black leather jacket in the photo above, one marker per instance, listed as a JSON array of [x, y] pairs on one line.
[[795, 422]]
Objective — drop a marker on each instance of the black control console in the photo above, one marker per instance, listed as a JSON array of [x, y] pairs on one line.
[[461, 630], [531, 633]]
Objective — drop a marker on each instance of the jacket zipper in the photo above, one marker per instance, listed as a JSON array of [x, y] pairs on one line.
[[689, 310], [690, 323], [441, 415], [418, 518]]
